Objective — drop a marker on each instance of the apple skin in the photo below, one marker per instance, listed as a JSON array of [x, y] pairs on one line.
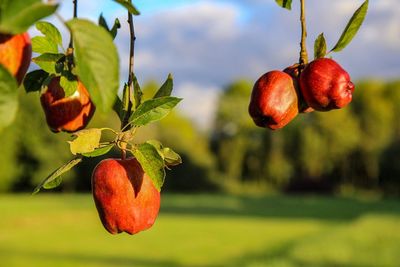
[[16, 54], [325, 85], [125, 197], [294, 72], [274, 100], [68, 114]]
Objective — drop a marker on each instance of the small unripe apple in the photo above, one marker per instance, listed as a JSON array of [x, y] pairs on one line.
[[325, 85], [125, 197], [274, 101], [15, 54], [69, 114], [294, 72]]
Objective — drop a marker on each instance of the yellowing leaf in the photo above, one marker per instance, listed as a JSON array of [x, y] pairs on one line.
[[86, 141]]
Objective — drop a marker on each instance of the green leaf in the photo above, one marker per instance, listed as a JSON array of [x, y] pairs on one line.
[[171, 158], [151, 162], [69, 83], [86, 141], [114, 29], [320, 47], [118, 107], [157, 145], [50, 31], [18, 16], [285, 4], [49, 181], [48, 62], [42, 45], [53, 184], [129, 6], [166, 88], [96, 61], [153, 110], [34, 80], [122, 107], [103, 22], [98, 151], [8, 98], [126, 99], [137, 92], [352, 27]]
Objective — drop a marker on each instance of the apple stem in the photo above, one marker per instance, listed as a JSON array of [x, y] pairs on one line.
[[303, 52], [75, 2]]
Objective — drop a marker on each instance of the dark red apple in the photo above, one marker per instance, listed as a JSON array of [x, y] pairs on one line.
[[15, 54], [274, 101], [294, 72], [125, 197], [69, 114], [325, 85]]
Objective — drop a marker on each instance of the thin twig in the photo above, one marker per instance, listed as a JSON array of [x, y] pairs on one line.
[[132, 49], [125, 122], [303, 52], [75, 2]]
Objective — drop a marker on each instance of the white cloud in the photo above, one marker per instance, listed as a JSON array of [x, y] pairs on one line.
[[207, 44], [199, 103]]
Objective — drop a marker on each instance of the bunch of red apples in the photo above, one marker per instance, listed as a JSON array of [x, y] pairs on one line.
[[279, 96]]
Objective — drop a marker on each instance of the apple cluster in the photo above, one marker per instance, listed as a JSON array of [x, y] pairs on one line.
[[125, 196], [279, 96]]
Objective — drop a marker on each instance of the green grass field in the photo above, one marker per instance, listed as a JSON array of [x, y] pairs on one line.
[[203, 230]]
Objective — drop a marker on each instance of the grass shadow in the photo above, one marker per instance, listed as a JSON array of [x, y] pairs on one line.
[[312, 207], [90, 259]]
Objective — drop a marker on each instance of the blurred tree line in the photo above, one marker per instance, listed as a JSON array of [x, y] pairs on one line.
[[356, 147]]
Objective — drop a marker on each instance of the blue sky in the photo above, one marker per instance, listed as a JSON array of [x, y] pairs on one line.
[[207, 44]]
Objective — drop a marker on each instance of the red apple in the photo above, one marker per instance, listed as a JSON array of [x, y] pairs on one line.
[[294, 72], [69, 114], [274, 101], [125, 197], [15, 54], [325, 85]]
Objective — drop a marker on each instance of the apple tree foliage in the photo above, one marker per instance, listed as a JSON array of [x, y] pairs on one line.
[[351, 29], [93, 57]]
